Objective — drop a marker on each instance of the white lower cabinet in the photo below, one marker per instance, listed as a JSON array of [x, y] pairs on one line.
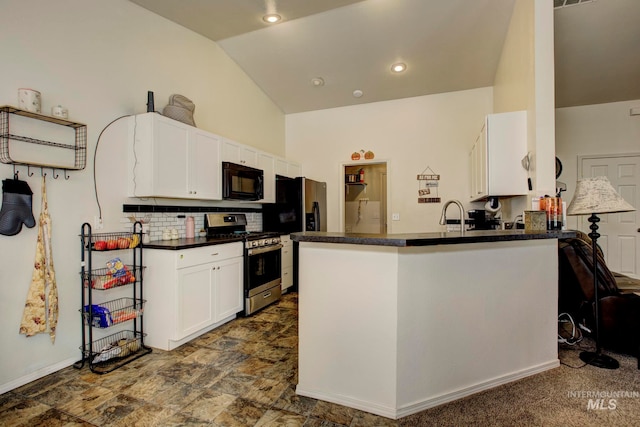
[[229, 295], [196, 290], [195, 301], [286, 262]]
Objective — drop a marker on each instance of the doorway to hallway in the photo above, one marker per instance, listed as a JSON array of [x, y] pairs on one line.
[[365, 198]]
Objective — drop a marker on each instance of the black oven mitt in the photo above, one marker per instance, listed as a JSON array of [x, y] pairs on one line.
[[16, 207]]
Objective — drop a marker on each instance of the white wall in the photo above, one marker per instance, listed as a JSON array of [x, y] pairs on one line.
[[593, 130], [411, 134], [99, 59], [525, 81]]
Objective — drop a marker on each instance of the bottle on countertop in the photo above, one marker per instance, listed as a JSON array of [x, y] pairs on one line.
[[191, 228]]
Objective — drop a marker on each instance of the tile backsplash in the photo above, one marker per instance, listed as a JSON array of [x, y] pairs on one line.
[[160, 221]]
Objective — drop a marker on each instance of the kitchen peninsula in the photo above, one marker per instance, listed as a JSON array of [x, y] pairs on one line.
[[396, 323]]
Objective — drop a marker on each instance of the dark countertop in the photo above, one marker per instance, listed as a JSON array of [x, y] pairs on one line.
[[196, 242], [429, 239], [184, 243]]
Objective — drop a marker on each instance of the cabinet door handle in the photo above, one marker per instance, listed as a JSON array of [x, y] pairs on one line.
[[217, 253]]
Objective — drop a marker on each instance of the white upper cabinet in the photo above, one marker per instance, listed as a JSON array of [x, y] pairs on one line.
[[288, 168], [294, 169], [205, 179], [239, 153], [168, 158], [495, 157], [266, 162]]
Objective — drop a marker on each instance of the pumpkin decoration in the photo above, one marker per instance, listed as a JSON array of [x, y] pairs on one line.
[[369, 155], [355, 156]]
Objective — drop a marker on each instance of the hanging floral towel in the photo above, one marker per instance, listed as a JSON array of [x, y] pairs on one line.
[[41, 309]]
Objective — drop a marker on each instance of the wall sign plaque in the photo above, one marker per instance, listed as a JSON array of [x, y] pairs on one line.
[[428, 186]]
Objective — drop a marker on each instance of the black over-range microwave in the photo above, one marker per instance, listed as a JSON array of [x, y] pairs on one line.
[[241, 182]]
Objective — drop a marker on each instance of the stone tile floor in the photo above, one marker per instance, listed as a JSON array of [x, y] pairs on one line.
[[241, 374]]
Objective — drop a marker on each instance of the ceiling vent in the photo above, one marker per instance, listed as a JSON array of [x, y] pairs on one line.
[[557, 4]]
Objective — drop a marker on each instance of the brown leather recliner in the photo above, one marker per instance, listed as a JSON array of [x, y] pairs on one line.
[[619, 312]]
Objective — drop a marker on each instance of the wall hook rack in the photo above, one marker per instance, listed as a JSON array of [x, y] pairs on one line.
[[77, 148], [55, 172]]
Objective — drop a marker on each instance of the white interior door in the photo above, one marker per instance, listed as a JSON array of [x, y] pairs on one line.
[[620, 232]]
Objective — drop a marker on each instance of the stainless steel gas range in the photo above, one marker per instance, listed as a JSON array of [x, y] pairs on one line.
[[262, 254]]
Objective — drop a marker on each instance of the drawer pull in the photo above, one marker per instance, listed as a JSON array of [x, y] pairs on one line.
[[217, 253], [267, 295]]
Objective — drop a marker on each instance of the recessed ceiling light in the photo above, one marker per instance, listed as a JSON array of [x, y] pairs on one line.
[[317, 81], [357, 93], [398, 67], [271, 18]]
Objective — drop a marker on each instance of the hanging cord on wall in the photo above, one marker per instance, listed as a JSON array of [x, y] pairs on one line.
[[95, 152]]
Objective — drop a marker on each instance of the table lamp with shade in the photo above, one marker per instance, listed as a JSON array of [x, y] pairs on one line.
[[597, 196]]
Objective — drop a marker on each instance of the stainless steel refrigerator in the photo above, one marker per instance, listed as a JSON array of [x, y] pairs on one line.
[[301, 205]]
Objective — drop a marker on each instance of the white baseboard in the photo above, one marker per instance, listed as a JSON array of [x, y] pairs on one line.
[[467, 391], [173, 344], [396, 413], [36, 375]]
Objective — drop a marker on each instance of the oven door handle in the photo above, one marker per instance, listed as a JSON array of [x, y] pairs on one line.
[[258, 251]]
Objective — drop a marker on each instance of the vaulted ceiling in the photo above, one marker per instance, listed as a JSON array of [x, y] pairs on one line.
[[446, 45]]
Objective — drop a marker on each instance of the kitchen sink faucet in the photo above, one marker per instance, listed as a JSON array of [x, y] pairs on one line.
[[443, 218]]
